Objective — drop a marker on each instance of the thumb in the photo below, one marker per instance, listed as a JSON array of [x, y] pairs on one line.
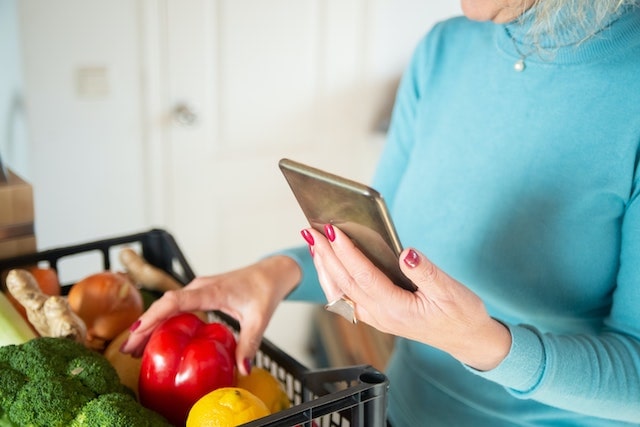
[[249, 341], [419, 269]]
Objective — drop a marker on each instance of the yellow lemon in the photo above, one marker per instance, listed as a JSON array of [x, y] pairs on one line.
[[226, 407], [264, 385]]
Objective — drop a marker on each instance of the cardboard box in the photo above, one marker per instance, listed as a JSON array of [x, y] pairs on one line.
[[17, 235]]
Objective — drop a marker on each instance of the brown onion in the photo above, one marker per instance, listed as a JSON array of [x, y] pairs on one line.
[[108, 303]]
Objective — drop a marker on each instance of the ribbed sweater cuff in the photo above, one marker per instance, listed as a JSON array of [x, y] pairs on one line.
[[522, 369]]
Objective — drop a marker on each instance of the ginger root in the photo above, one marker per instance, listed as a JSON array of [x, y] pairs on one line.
[[146, 275], [51, 316]]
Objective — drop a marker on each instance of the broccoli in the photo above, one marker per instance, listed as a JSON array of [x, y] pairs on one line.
[[11, 381], [58, 382], [116, 410], [49, 402]]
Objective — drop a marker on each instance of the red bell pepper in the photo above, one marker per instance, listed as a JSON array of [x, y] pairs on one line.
[[185, 359]]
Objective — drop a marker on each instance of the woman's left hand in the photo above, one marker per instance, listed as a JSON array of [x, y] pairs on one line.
[[442, 312]]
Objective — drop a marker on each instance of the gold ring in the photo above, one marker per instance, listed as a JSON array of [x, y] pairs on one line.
[[344, 307]]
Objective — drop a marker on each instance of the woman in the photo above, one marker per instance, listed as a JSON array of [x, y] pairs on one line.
[[512, 164]]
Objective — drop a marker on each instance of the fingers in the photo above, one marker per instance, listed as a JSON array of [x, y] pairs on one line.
[[344, 271], [347, 268], [171, 302], [186, 300], [324, 264], [249, 341]]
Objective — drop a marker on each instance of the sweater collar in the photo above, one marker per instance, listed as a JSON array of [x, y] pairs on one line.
[[619, 33]]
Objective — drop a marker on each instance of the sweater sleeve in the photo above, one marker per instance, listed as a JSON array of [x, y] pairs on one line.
[[591, 374], [595, 374]]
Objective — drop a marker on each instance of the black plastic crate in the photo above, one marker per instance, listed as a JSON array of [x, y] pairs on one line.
[[354, 396]]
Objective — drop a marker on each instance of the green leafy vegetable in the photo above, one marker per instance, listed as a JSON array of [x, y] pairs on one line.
[[58, 382]]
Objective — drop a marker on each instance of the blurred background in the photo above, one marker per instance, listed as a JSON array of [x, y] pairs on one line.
[[128, 115]]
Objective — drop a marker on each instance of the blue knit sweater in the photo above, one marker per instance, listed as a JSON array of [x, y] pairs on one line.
[[523, 186]]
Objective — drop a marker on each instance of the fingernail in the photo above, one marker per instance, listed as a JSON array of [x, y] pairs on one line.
[[307, 236], [135, 325], [247, 365], [330, 232], [412, 259], [123, 345]]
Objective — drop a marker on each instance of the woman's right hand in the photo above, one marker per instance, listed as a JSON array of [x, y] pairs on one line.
[[250, 295]]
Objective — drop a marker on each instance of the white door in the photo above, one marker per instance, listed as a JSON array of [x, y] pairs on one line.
[[238, 84]]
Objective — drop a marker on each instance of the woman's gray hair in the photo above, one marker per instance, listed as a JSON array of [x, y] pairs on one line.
[[578, 19]]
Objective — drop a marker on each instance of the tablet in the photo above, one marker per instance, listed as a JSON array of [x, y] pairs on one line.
[[358, 210]]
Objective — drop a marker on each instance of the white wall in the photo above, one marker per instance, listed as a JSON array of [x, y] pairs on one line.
[[14, 145], [85, 128], [86, 153]]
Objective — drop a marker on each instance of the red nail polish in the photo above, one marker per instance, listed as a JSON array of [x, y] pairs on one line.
[[247, 365], [135, 325], [307, 236], [330, 232], [412, 259]]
